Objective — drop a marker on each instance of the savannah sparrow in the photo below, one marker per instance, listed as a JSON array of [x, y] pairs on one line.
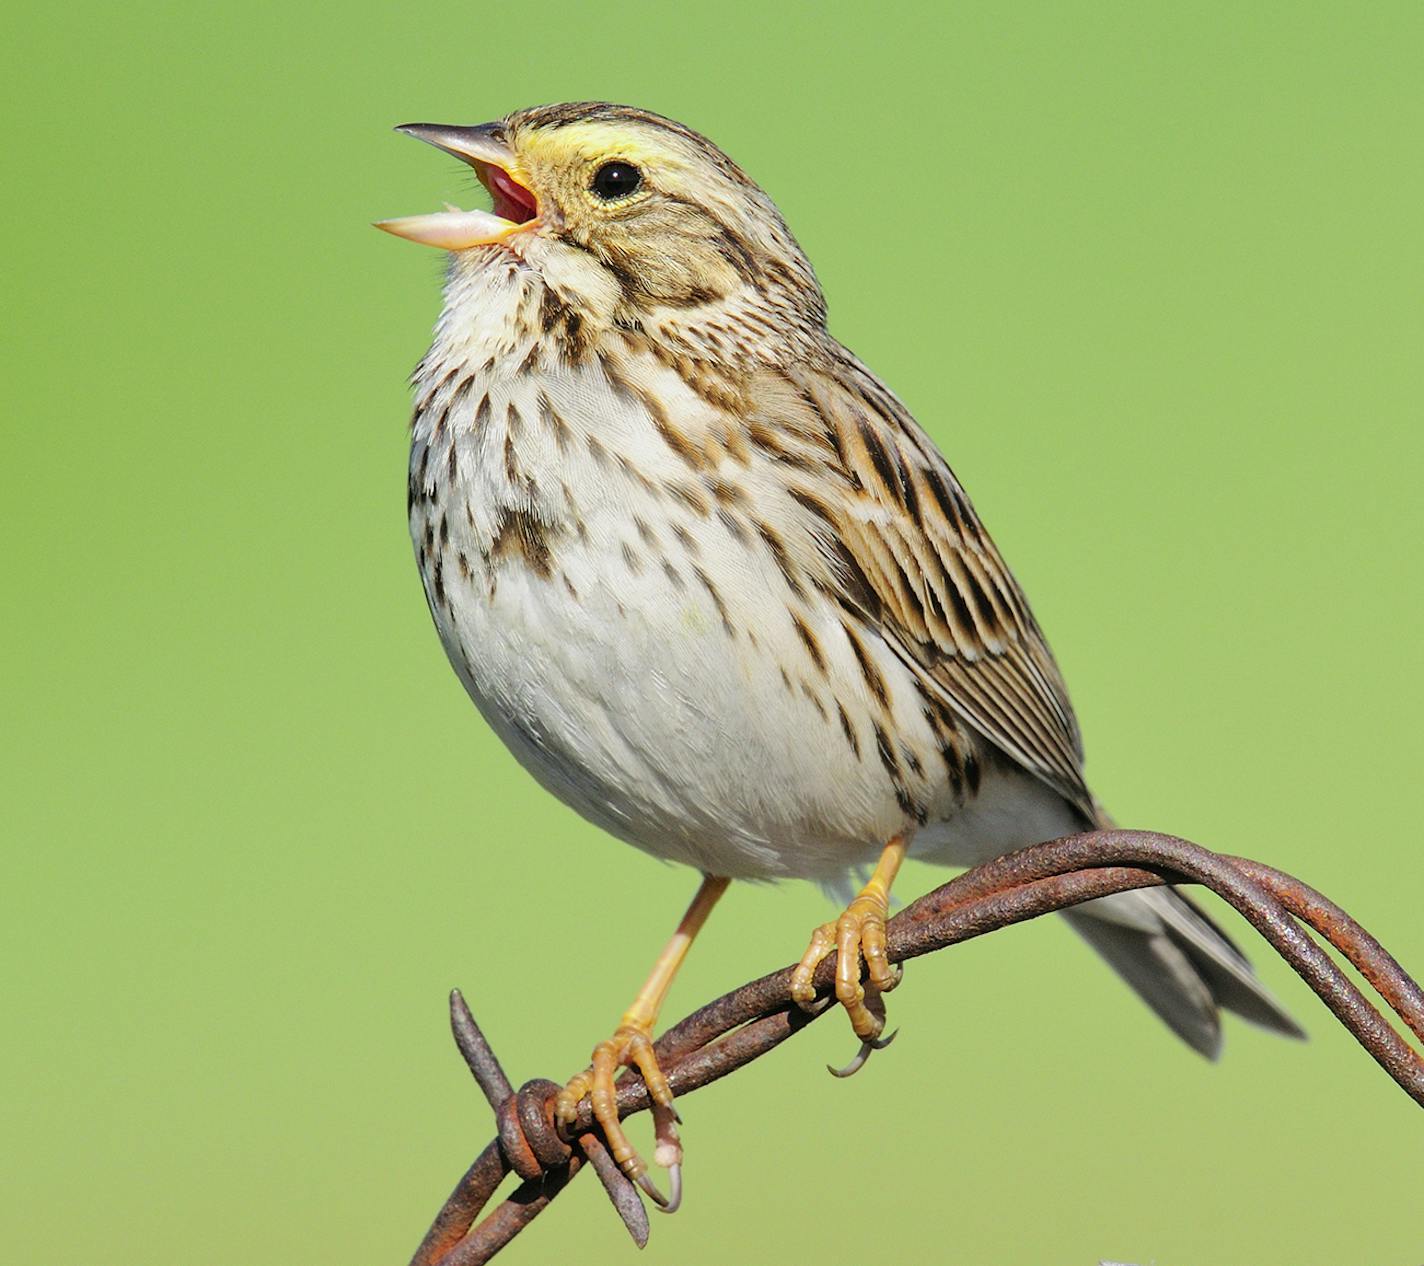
[[712, 584]]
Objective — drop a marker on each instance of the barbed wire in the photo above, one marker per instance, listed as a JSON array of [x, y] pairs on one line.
[[746, 1023]]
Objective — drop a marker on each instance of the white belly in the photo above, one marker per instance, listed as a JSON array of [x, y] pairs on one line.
[[612, 610], [633, 704]]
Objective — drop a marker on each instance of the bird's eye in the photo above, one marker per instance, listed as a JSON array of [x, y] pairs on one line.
[[616, 180]]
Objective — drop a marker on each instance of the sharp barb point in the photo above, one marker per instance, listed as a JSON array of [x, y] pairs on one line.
[[731, 1031]]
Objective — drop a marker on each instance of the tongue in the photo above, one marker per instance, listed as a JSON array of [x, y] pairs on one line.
[[512, 201]]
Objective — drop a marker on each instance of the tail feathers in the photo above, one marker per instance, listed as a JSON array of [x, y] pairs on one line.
[[1179, 963]]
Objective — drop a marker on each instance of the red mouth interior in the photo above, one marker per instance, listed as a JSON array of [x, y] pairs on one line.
[[512, 201]]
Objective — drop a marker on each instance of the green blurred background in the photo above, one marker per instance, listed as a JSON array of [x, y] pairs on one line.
[[254, 830]]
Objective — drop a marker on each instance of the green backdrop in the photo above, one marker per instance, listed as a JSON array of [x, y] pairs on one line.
[[253, 830]]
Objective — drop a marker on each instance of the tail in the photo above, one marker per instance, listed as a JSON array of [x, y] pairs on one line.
[[1179, 963]]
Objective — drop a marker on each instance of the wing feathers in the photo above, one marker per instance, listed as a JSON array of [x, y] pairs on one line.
[[938, 590]]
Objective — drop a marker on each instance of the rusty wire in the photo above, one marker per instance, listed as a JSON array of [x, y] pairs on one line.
[[745, 1024]]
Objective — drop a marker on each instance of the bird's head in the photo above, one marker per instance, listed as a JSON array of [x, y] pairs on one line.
[[629, 216]]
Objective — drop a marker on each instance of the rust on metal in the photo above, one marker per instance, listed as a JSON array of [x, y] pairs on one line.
[[745, 1024]]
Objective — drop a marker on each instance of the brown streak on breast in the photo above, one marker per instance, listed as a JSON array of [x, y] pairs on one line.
[[809, 640], [671, 434], [521, 535]]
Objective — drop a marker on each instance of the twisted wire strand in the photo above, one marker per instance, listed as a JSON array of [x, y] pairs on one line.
[[747, 1023]]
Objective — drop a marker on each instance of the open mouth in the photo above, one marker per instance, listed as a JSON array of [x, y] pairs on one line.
[[483, 148], [512, 201]]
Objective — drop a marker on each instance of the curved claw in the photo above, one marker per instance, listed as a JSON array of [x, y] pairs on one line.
[[867, 1048], [674, 1200], [650, 1189]]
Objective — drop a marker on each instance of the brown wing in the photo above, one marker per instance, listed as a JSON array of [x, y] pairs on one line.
[[911, 552]]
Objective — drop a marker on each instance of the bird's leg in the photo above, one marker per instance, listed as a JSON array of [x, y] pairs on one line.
[[632, 1046], [860, 931]]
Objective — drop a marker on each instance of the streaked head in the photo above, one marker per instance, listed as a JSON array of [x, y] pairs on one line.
[[621, 210]]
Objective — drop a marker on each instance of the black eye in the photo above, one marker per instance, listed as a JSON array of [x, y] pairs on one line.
[[616, 180]]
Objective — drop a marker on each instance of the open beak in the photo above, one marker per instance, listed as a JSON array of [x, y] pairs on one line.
[[486, 150]]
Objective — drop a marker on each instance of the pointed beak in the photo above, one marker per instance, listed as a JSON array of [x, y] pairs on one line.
[[487, 151]]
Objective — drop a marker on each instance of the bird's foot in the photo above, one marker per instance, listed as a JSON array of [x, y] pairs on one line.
[[631, 1046], [858, 933]]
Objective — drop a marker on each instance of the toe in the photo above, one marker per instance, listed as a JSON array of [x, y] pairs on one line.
[[803, 990]]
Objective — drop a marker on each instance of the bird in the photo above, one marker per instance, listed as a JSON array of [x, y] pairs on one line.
[[714, 586]]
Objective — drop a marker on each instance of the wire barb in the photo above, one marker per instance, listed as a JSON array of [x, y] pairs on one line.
[[747, 1023]]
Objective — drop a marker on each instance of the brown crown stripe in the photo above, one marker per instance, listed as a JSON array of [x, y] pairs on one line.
[[564, 114]]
